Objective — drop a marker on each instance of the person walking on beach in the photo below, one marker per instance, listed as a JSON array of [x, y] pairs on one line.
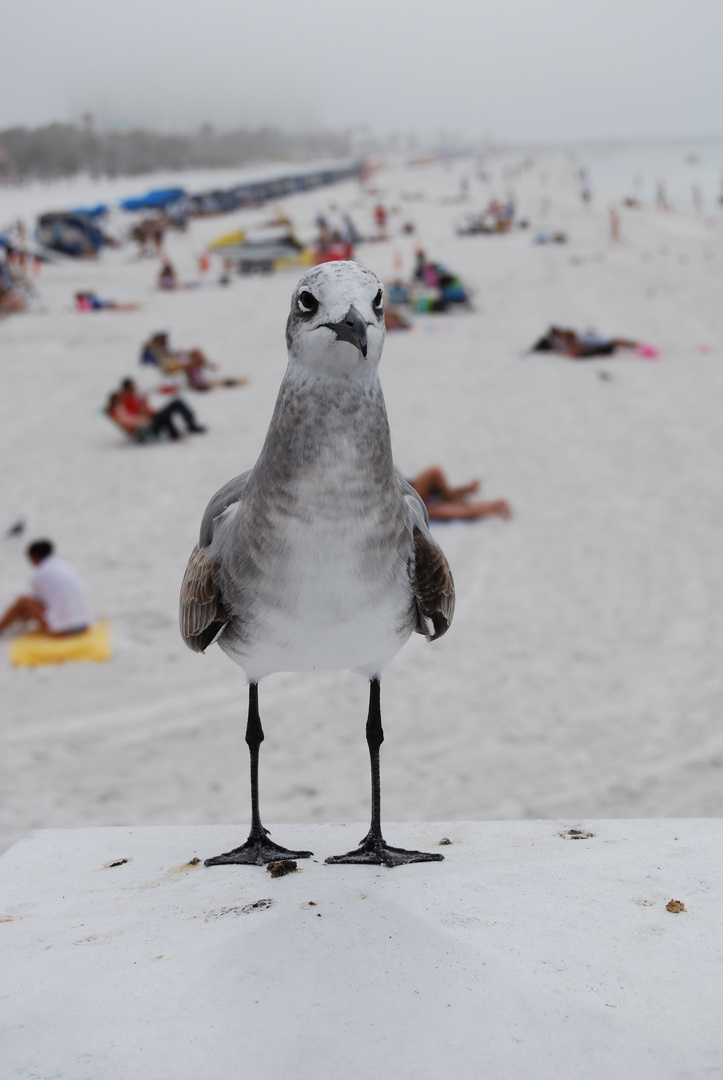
[[56, 602]]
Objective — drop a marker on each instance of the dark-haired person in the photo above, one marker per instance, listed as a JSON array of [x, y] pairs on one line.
[[192, 362], [56, 602], [446, 503], [131, 411]]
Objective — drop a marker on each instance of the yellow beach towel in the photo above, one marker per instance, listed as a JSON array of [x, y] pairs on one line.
[[36, 648]]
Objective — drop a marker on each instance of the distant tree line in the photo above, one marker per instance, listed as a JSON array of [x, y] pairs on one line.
[[58, 150]]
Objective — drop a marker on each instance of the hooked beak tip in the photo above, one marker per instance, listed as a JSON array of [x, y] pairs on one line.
[[353, 329]]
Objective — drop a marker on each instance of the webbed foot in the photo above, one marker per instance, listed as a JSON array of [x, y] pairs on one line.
[[257, 851], [375, 850]]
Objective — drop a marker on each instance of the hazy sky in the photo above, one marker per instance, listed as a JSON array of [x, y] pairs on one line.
[[515, 70]]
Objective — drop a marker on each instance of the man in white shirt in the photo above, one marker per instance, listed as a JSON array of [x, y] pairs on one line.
[[56, 601]]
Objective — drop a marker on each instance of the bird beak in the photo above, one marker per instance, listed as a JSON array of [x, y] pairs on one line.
[[352, 328]]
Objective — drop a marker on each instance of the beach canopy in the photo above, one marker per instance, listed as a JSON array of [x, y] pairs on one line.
[[91, 211], [154, 200]]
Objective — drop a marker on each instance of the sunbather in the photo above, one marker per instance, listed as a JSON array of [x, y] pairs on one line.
[[584, 345], [446, 503], [90, 301]]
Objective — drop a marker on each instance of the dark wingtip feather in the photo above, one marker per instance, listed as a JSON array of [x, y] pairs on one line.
[[200, 642]]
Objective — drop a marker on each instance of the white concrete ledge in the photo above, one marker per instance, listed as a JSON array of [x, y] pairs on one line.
[[526, 954]]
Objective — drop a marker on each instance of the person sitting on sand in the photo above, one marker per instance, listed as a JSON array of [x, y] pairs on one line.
[[588, 343], [192, 362], [56, 603], [446, 286], [131, 411], [90, 301], [446, 503], [167, 277]]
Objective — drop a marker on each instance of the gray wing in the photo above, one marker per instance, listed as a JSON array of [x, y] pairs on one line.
[[429, 572], [202, 614], [227, 495]]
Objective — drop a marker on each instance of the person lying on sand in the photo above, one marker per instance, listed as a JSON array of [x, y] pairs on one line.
[[56, 603], [90, 301], [446, 503], [588, 343], [131, 411]]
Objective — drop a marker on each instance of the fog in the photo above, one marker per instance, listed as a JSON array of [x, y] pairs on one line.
[[526, 70]]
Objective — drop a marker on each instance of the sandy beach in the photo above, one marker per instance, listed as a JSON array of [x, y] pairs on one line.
[[582, 676]]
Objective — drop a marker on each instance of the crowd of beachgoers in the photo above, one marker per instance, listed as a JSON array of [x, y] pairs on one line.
[[498, 272]]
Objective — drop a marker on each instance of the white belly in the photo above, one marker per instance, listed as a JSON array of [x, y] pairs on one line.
[[332, 602]]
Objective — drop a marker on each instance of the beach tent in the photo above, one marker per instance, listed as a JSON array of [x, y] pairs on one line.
[[91, 211], [69, 233]]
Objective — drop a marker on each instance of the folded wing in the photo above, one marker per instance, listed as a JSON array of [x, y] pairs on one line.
[[429, 572], [202, 613]]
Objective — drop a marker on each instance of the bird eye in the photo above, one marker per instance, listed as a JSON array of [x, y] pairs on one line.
[[308, 303], [377, 302]]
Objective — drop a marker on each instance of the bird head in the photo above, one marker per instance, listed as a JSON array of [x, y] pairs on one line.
[[336, 322]]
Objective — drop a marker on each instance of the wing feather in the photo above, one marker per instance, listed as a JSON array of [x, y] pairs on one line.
[[202, 614], [429, 572], [433, 587]]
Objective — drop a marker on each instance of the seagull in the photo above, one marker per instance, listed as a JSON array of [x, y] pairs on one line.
[[321, 556]]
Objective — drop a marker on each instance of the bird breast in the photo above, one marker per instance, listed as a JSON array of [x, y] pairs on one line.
[[330, 547]]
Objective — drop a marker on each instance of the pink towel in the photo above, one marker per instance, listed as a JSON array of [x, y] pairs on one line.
[[648, 352]]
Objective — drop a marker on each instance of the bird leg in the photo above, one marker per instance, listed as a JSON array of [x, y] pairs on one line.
[[257, 850], [373, 848]]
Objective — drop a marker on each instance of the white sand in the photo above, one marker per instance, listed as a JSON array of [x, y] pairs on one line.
[[582, 676]]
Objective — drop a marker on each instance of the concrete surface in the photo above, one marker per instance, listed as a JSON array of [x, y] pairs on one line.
[[531, 952]]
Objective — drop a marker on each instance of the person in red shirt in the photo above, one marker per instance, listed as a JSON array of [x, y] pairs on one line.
[[131, 411]]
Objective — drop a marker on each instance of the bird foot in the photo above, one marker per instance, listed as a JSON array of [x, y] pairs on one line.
[[257, 851], [375, 850]]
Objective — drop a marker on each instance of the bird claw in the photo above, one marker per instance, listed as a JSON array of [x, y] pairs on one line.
[[257, 851], [376, 851]]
